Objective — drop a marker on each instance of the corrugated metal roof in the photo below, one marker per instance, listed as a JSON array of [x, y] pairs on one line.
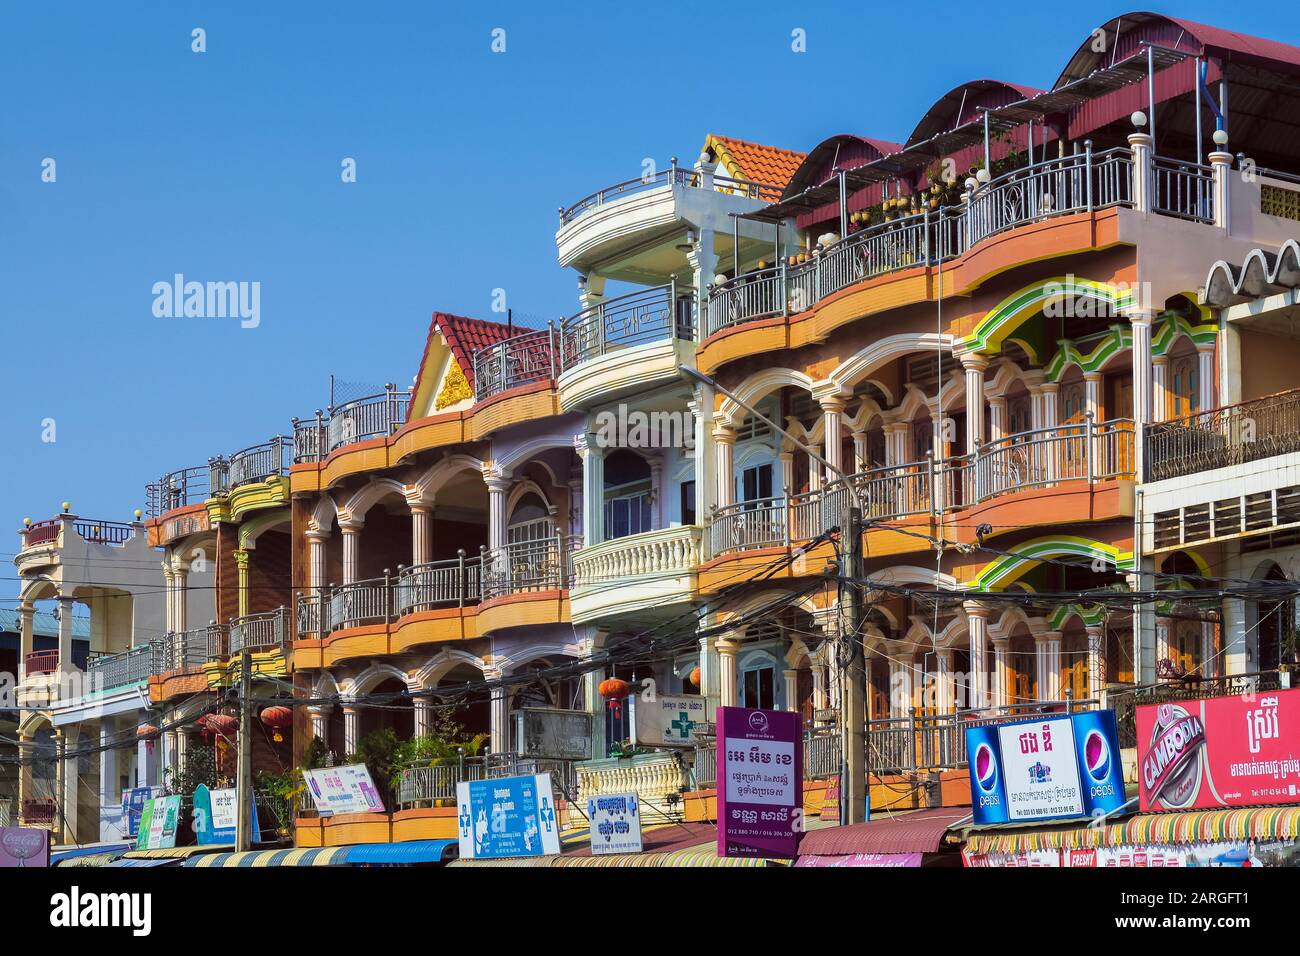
[[44, 624], [921, 831]]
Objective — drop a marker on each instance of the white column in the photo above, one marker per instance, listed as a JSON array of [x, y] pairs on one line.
[[499, 721], [997, 417], [709, 671], [1159, 388], [109, 792], [1221, 164], [422, 716], [896, 452], [1235, 645], [316, 560], [1001, 679], [832, 413], [320, 722], [787, 472], [351, 728], [900, 688], [1140, 144], [975, 366], [593, 489], [575, 507], [1092, 394], [182, 748], [819, 687], [498, 487], [1096, 660], [726, 648], [704, 453], [1205, 377], [182, 611], [26, 636], [65, 633], [1209, 652], [1048, 646], [351, 541], [1142, 368], [859, 452], [977, 682], [169, 598], [657, 489], [724, 441], [815, 475], [421, 534], [1162, 640], [791, 689], [945, 686]]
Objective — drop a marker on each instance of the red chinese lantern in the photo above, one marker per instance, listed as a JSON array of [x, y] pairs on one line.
[[278, 718], [223, 725], [614, 691], [147, 733], [695, 675]]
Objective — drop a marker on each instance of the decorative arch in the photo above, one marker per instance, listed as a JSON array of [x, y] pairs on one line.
[[855, 369], [532, 652], [255, 527], [326, 686], [757, 387], [440, 665], [371, 677], [1005, 318], [1089, 615], [368, 496], [427, 486], [1006, 570], [522, 488], [1006, 623], [954, 633], [323, 515]]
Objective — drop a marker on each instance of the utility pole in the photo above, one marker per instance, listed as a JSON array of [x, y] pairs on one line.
[[854, 806], [244, 768]]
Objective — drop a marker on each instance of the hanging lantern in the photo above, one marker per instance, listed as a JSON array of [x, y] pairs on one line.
[[614, 691], [278, 718], [223, 725], [147, 733], [695, 675]]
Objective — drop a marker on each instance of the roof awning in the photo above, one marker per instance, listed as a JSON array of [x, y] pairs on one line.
[[147, 864], [392, 854], [305, 856], [1146, 829], [921, 831], [88, 859], [171, 853], [61, 856]]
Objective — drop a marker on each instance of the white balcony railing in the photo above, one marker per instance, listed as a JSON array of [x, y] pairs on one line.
[[1025, 460], [666, 551]]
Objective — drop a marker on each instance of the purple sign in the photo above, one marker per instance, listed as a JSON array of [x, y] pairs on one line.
[[760, 782], [24, 846]]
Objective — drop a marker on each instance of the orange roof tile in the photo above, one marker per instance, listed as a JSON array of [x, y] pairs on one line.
[[755, 162], [464, 336]]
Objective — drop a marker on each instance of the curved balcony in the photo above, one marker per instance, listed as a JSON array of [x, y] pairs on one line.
[[523, 359], [184, 487], [655, 569], [193, 648], [1023, 461], [259, 632], [523, 566], [258, 462], [361, 419], [1057, 187], [454, 583]]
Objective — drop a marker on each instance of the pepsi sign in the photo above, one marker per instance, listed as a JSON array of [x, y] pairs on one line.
[[1053, 767]]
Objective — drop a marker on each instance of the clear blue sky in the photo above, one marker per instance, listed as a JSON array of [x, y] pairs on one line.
[[225, 166]]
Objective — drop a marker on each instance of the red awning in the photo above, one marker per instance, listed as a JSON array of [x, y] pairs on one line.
[[664, 839], [918, 832]]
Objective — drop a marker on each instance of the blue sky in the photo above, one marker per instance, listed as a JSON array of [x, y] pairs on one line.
[[225, 165]]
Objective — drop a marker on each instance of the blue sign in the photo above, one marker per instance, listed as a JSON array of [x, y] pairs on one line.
[[508, 817], [1052, 767], [133, 801], [216, 816]]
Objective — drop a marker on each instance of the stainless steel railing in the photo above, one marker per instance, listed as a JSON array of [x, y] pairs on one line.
[[194, 647], [259, 631], [674, 175], [1220, 437], [522, 359], [372, 416], [129, 667], [542, 565], [439, 584], [187, 486], [1184, 190], [259, 462], [646, 315]]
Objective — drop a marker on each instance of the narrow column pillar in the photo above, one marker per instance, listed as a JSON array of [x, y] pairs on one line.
[[422, 716], [1205, 378], [421, 534], [1159, 388], [832, 413], [726, 648], [110, 793], [900, 689], [791, 689], [1209, 649], [320, 722], [997, 418], [65, 634], [1142, 374], [945, 686], [1162, 641], [1140, 144], [26, 636], [316, 543], [1048, 646], [181, 613], [241, 564], [169, 597], [351, 728], [1096, 660], [975, 366], [592, 455], [499, 721], [977, 682], [724, 441], [498, 487], [1001, 677], [704, 453], [1221, 164]]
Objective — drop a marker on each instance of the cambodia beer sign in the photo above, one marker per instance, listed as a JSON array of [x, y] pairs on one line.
[[1221, 752], [760, 782]]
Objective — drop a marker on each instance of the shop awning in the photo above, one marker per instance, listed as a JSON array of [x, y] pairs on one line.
[[89, 859], [304, 856], [394, 854], [147, 864], [920, 831], [1145, 829], [170, 853], [61, 856]]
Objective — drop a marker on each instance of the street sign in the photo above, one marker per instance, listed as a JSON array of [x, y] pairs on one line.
[[507, 817], [615, 820]]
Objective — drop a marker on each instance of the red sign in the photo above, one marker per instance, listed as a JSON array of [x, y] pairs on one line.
[[1222, 752]]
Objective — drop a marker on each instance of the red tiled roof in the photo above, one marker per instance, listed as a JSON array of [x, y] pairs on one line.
[[464, 336], [769, 165], [920, 831]]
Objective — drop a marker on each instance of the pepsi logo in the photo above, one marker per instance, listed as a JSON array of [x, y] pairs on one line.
[[1096, 756], [986, 768]]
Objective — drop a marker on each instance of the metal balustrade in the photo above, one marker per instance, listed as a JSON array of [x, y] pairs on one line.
[[179, 489], [542, 565], [674, 175], [41, 662], [1025, 460], [424, 786], [193, 647], [313, 616], [456, 582], [42, 532], [372, 416], [259, 462], [262, 631], [129, 667], [1220, 437], [1056, 187], [1181, 189], [646, 315], [310, 438], [519, 360], [360, 603]]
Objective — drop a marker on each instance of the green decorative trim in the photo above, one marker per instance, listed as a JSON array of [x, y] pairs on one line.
[[1006, 570], [1011, 312], [1091, 615], [250, 529], [1120, 337]]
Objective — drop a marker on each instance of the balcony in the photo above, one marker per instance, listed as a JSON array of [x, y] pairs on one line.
[[655, 569], [1026, 460], [361, 419], [523, 566], [111, 671], [91, 530], [435, 784], [524, 359], [257, 463], [627, 231], [626, 343], [182, 488], [182, 650], [1222, 437], [259, 632], [41, 662], [1066, 186], [421, 587]]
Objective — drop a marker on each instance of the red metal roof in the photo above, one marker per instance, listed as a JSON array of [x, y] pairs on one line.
[[920, 831]]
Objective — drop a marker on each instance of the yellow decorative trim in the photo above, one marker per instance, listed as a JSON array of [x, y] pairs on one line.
[[455, 387], [225, 673]]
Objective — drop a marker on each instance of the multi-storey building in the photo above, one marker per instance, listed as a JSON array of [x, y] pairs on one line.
[[998, 337]]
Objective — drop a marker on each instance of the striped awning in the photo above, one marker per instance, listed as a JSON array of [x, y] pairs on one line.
[[303, 856], [1146, 829], [183, 852], [88, 860], [98, 849]]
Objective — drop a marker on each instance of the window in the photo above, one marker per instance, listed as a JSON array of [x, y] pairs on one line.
[[758, 689], [688, 501], [628, 514], [756, 482], [1183, 392]]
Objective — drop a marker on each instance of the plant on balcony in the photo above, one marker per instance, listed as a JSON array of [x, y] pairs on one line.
[[284, 790], [625, 750], [200, 768]]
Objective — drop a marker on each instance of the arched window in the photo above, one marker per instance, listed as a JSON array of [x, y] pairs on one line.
[[530, 521], [629, 496], [1184, 386]]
